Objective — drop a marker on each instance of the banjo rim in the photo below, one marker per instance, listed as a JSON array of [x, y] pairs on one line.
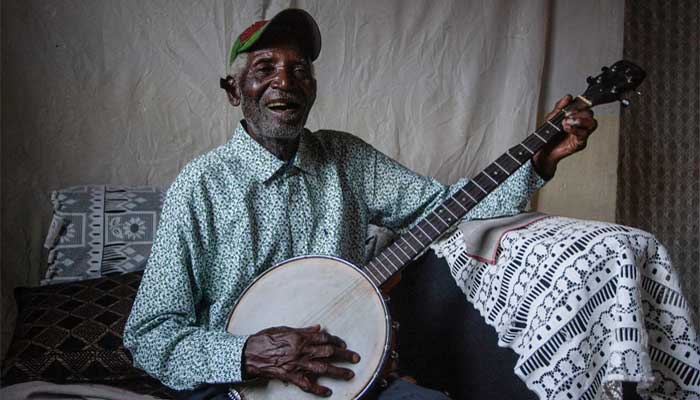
[[387, 318]]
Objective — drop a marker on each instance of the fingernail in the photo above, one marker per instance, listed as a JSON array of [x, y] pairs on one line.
[[356, 358], [351, 375], [328, 393]]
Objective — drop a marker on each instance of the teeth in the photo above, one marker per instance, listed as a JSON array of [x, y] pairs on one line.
[[277, 104]]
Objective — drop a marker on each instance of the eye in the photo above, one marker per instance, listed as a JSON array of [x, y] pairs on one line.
[[263, 70], [302, 72]]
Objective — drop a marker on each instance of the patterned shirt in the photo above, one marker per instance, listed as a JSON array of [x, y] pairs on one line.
[[238, 210]]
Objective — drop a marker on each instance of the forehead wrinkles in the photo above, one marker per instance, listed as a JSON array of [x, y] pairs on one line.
[[277, 56]]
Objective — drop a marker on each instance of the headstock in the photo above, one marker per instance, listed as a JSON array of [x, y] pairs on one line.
[[614, 82]]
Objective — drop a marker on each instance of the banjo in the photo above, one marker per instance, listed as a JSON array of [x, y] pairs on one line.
[[346, 300]]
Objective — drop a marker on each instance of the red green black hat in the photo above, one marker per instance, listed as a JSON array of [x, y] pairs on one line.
[[292, 19]]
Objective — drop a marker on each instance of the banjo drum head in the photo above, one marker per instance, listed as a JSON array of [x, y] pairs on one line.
[[317, 290]]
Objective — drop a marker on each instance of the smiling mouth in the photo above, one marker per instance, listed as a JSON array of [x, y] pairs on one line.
[[281, 106]]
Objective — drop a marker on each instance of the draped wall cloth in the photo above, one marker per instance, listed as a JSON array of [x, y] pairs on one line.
[[126, 92], [659, 163]]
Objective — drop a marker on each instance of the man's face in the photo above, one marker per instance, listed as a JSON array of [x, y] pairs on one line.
[[277, 89]]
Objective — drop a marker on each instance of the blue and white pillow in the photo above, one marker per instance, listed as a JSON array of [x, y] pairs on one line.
[[100, 230]]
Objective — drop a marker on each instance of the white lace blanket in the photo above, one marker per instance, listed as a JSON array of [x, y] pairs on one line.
[[583, 303]]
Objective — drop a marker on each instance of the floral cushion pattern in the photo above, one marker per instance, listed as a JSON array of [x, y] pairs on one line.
[[101, 230]]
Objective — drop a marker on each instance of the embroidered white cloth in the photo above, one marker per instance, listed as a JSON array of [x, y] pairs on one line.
[[583, 303]]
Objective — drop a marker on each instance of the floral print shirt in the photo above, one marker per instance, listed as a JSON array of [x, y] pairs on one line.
[[238, 210]]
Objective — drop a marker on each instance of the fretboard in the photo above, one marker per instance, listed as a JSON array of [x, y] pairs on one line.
[[449, 213]]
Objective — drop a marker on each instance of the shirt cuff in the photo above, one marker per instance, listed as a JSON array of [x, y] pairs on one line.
[[537, 181], [225, 359]]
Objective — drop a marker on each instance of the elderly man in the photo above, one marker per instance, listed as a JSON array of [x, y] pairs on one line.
[[276, 191]]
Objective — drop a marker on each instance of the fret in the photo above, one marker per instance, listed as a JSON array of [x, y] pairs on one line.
[[507, 162], [383, 266], [520, 153], [494, 181], [409, 258], [470, 196], [440, 218], [409, 244], [421, 229], [390, 262], [540, 137], [515, 159], [479, 186], [499, 166], [460, 204], [485, 182], [427, 219], [375, 269], [450, 211], [496, 174], [417, 240], [555, 127], [446, 219], [533, 143], [394, 254], [546, 133], [527, 148]]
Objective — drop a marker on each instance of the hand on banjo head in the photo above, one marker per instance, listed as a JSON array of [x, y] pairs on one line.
[[297, 355]]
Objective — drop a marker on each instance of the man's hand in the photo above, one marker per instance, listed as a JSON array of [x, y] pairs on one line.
[[298, 356], [578, 125]]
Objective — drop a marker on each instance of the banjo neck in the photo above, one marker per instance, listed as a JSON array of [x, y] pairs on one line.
[[450, 212]]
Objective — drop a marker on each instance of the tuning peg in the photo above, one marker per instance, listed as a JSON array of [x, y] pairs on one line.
[[625, 103], [638, 93]]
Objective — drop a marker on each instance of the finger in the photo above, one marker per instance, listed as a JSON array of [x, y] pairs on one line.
[[582, 114], [305, 384], [336, 353], [346, 355], [324, 337], [585, 124], [562, 103], [327, 369], [559, 106]]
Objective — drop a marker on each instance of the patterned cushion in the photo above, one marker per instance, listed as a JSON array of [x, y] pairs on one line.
[[100, 230], [72, 333]]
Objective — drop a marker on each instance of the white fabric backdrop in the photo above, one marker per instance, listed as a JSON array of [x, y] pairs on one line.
[[126, 92]]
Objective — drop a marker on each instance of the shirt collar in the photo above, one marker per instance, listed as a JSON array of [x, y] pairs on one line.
[[258, 161], [307, 156]]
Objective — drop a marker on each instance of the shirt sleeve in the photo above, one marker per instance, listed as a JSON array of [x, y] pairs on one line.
[[165, 332], [399, 197]]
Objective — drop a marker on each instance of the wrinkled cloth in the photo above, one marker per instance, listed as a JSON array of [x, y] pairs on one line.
[[583, 303], [238, 210], [482, 237]]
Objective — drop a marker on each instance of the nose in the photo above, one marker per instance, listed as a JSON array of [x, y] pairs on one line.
[[283, 79]]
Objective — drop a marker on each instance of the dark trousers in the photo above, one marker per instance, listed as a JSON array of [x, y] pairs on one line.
[[398, 390]]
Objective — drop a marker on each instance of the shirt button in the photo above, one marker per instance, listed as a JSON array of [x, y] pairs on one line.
[[295, 197]]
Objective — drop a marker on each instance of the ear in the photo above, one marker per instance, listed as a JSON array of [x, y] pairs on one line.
[[233, 92]]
